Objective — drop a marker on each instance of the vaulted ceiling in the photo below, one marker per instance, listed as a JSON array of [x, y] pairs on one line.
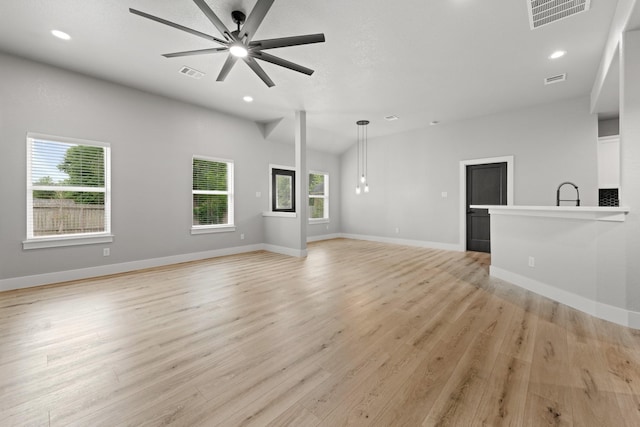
[[420, 60]]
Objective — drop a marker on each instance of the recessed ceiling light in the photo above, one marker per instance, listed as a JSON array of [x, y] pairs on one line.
[[558, 54], [61, 34], [433, 123], [248, 98]]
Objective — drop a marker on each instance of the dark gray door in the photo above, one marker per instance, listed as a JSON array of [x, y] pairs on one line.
[[486, 185]]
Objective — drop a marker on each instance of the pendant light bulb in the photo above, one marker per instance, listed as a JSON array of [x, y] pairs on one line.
[[361, 157]]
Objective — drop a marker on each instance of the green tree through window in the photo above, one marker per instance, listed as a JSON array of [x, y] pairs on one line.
[[318, 201], [211, 192], [68, 187]]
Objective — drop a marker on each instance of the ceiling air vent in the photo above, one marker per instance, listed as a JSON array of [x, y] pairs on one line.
[[190, 72], [391, 118], [555, 79], [543, 12]]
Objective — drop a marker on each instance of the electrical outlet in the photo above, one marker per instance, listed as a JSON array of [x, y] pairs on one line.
[[242, 236], [327, 227], [258, 194], [532, 262], [444, 194], [397, 230], [106, 251]]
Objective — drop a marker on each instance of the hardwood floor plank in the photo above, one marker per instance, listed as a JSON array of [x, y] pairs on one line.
[[503, 402], [357, 333]]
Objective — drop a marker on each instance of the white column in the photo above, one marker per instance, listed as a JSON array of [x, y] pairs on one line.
[[630, 161], [302, 178]]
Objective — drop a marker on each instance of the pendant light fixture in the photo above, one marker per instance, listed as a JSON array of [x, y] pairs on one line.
[[362, 157]]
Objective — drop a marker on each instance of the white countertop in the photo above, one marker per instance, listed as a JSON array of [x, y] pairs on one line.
[[599, 213]]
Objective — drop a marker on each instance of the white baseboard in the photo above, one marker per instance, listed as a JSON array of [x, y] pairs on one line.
[[603, 311], [634, 319], [300, 253], [405, 242], [105, 270], [324, 237]]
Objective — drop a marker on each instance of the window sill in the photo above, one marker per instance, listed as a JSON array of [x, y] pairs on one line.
[[213, 229], [318, 220], [281, 214], [57, 241]]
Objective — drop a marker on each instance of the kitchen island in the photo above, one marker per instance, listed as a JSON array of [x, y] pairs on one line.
[[572, 254]]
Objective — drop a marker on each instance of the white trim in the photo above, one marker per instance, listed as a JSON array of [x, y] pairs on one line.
[[300, 253], [318, 221], [634, 319], [604, 311], [104, 270], [67, 240], [405, 242], [324, 237], [281, 214], [206, 229], [462, 245], [325, 197], [229, 193], [596, 213], [65, 139]]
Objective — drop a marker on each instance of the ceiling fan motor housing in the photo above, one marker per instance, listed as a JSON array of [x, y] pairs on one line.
[[238, 17]]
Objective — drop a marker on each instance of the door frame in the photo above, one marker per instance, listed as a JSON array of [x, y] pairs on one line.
[[509, 160]]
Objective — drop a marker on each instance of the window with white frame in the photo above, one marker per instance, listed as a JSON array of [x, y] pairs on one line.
[[68, 191], [283, 189], [318, 196], [212, 192]]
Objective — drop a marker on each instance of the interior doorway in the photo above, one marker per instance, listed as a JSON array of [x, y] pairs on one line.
[[487, 181], [486, 185]]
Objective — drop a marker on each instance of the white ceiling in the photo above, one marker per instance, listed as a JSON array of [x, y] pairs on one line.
[[421, 60]]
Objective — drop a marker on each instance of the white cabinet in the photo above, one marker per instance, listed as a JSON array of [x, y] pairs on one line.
[[609, 162]]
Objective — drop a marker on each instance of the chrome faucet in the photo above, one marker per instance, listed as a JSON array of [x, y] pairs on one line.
[[577, 200]]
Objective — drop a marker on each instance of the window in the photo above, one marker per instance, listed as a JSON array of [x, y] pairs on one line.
[[212, 195], [318, 196], [283, 190], [68, 192]]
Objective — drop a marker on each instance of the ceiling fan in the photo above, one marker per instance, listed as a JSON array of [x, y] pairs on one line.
[[240, 43]]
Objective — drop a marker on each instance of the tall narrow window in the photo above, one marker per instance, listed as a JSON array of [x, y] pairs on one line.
[[68, 189], [212, 195], [283, 190], [318, 196]]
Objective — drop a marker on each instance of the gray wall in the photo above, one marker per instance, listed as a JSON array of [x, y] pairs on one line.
[[409, 171], [152, 141]]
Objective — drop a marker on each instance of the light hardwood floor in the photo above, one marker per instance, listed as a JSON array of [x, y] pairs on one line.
[[358, 333]]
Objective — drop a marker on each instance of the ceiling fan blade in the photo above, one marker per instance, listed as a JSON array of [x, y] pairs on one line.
[[287, 41], [282, 62], [255, 19], [258, 70], [214, 19], [178, 26], [195, 52], [228, 65]]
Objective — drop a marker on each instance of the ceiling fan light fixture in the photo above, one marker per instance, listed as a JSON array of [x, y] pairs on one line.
[[238, 50], [240, 43]]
